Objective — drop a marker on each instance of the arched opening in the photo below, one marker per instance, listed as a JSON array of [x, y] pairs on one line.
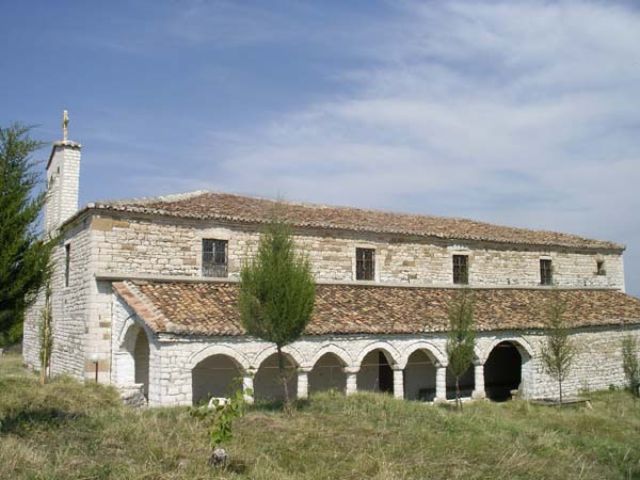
[[420, 377], [502, 371], [375, 373], [141, 361], [267, 383], [467, 383], [215, 376], [328, 374]]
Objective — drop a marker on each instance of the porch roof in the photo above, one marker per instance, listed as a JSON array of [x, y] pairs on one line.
[[210, 308]]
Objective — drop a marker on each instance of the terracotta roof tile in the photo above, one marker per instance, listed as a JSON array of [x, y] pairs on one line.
[[210, 308], [236, 208]]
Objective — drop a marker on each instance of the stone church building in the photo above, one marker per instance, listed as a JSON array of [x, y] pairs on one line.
[[144, 298]]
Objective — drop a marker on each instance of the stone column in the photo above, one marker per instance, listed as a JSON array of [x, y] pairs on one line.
[[303, 383], [352, 380], [247, 384], [398, 382], [478, 391], [441, 384]]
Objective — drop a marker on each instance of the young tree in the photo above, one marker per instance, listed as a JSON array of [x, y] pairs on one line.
[[558, 350], [219, 418], [277, 293], [630, 364], [24, 256], [46, 336], [462, 338]]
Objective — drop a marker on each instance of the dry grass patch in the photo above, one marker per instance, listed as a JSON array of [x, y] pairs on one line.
[[66, 430]]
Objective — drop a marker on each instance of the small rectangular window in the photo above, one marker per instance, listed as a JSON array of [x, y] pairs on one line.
[[365, 264], [460, 269], [600, 270], [67, 263], [214, 258], [546, 272]]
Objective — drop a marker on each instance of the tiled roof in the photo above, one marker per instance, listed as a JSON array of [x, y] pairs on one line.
[[236, 208], [210, 308]]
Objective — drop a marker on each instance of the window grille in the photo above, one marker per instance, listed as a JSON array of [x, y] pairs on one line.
[[546, 272], [365, 264], [214, 258], [460, 269]]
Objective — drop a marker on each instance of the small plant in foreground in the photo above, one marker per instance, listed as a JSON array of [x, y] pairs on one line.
[[462, 338], [630, 364], [558, 350], [220, 415]]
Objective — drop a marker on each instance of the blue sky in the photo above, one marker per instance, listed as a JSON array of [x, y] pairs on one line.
[[523, 113]]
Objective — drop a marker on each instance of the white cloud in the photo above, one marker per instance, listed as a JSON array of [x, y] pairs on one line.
[[520, 113], [514, 112]]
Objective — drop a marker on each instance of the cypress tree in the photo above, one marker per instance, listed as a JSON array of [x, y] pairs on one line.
[[277, 293], [24, 254], [462, 338], [558, 349]]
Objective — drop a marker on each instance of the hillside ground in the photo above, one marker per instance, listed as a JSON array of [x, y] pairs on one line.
[[67, 430]]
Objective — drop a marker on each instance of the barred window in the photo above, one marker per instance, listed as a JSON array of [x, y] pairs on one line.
[[214, 258], [365, 264], [546, 272], [460, 269]]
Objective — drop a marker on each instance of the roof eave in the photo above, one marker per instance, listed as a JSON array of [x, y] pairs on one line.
[[607, 246]]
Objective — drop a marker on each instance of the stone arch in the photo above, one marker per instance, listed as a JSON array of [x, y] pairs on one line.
[[437, 356], [267, 383], [503, 369], [376, 363], [328, 372], [132, 356], [265, 353], [216, 375], [389, 351], [211, 350], [341, 353], [524, 348]]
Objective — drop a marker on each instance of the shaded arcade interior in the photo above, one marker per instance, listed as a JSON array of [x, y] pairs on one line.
[[215, 376], [502, 372], [327, 374], [376, 374]]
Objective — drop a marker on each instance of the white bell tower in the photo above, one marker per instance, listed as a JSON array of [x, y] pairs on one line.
[[63, 179]]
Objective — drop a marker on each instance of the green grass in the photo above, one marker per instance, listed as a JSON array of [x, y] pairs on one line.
[[66, 430]]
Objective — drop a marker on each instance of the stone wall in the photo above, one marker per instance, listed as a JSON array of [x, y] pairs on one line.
[[137, 245], [69, 307], [174, 247]]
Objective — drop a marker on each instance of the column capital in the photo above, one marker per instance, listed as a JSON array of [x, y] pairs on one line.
[[351, 370]]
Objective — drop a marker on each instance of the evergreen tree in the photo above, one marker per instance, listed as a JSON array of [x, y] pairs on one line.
[[24, 255], [558, 350], [462, 338], [277, 293]]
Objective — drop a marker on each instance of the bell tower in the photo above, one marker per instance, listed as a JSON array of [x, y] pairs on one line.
[[63, 179]]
